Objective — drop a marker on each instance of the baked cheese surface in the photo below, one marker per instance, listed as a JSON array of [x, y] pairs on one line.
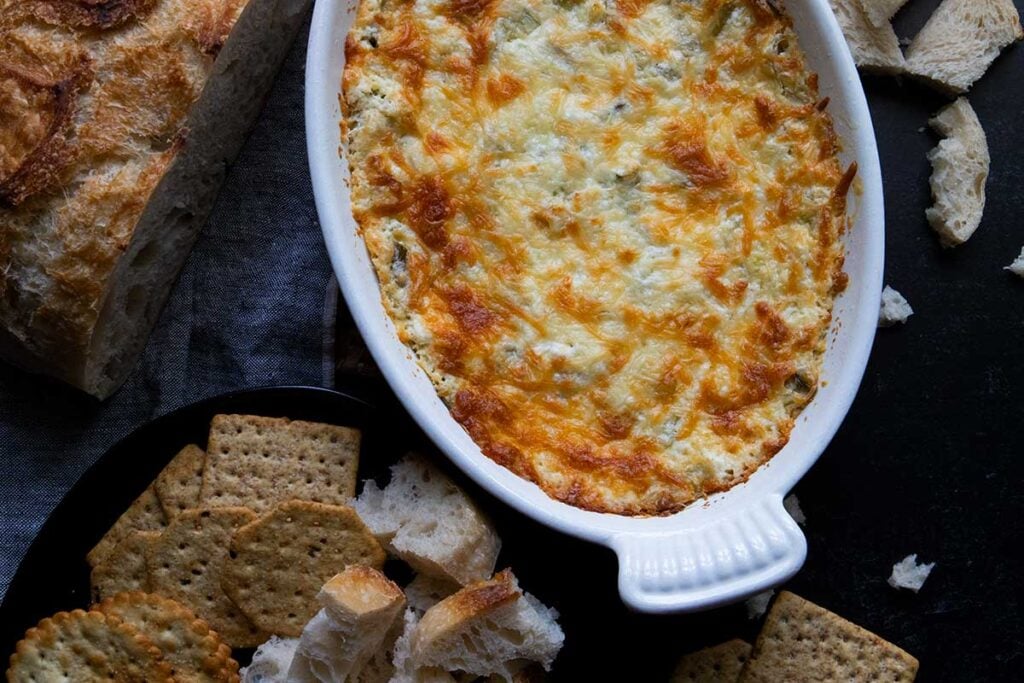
[[608, 230]]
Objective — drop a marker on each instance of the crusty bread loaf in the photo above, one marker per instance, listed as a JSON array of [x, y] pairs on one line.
[[880, 12], [423, 518], [874, 47], [488, 628], [960, 165], [117, 121], [361, 617], [961, 40]]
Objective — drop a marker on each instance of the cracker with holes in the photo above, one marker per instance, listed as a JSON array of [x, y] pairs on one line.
[[720, 663], [799, 637], [124, 569], [187, 563], [257, 462], [144, 514], [278, 563], [190, 647], [177, 486], [86, 646]]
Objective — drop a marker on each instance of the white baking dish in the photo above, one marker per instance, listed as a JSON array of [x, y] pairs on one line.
[[720, 550]]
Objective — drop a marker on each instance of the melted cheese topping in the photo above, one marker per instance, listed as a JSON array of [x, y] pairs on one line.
[[608, 230]]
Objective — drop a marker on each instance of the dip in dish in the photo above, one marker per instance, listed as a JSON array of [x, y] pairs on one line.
[[610, 232]]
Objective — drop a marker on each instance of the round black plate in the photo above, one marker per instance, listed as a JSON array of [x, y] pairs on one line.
[[604, 641]]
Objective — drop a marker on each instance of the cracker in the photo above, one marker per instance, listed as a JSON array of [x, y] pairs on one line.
[[124, 569], [257, 462], [177, 486], [801, 641], [144, 514], [86, 646], [186, 565], [716, 664], [194, 651], [279, 563]]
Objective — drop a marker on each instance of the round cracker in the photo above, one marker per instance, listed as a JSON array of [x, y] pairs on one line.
[[86, 646], [278, 563], [194, 651]]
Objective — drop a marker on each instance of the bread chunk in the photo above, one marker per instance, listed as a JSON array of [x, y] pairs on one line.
[[961, 40], [874, 47], [488, 628], [361, 618], [881, 12], [117, 122], [423, 518], [960, 166], [894, 310]]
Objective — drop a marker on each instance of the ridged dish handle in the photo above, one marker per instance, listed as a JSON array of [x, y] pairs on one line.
[[739, 554]]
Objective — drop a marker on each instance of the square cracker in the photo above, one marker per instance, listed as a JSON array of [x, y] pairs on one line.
[[124, 568], [177, 486], [803, 642], [257, 462], [278, 563], [144, 514], [186, 565], [716, 664]]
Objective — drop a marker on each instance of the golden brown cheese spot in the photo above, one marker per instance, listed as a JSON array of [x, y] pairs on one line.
[[631, 8], [685, 149], [504, 88], [472, 315], [430, 210]]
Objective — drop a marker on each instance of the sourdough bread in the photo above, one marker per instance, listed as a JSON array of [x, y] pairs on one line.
[[117, 122], [960, 167], [961, 40]]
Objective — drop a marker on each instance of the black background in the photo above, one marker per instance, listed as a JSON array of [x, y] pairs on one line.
[[929, 461]]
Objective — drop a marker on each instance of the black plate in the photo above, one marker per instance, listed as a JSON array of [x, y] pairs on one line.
[[604, 641]]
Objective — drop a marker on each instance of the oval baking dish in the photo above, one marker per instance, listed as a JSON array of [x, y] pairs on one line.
[[715, 551]]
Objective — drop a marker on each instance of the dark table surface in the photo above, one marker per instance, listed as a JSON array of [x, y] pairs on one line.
[[930, 459]]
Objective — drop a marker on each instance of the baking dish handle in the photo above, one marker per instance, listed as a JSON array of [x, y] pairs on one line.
[[734, 556]]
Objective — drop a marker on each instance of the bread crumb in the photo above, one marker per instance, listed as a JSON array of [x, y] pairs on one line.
[[792, 505], [1017, 267], [895, 308], [907, 573], [758, 604]]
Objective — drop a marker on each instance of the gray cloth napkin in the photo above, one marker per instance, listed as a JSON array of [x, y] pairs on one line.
[[254, 307]]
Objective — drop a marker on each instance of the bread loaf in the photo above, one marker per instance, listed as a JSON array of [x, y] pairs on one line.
[[117, 121]]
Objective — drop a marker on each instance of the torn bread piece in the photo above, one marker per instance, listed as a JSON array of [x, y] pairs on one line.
[[961, 40], [270, 661], [1017, 267], [423, 518], [424, 591], [907, 573], [716, 664], [881, 12], [401, 657], [488, 628], [800, 637], [792, 505], [757, 605], [894, 309], [361, 617], [960, 165], [874, 48]]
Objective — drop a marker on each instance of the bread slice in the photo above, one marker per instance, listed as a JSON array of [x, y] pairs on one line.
[[119, 119], [271, 661], [1017, 267], [874, 47], [361, 617], [961, 40], [894, 309], [881, 12], [423, 518], [960, 166], [488, 628]]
